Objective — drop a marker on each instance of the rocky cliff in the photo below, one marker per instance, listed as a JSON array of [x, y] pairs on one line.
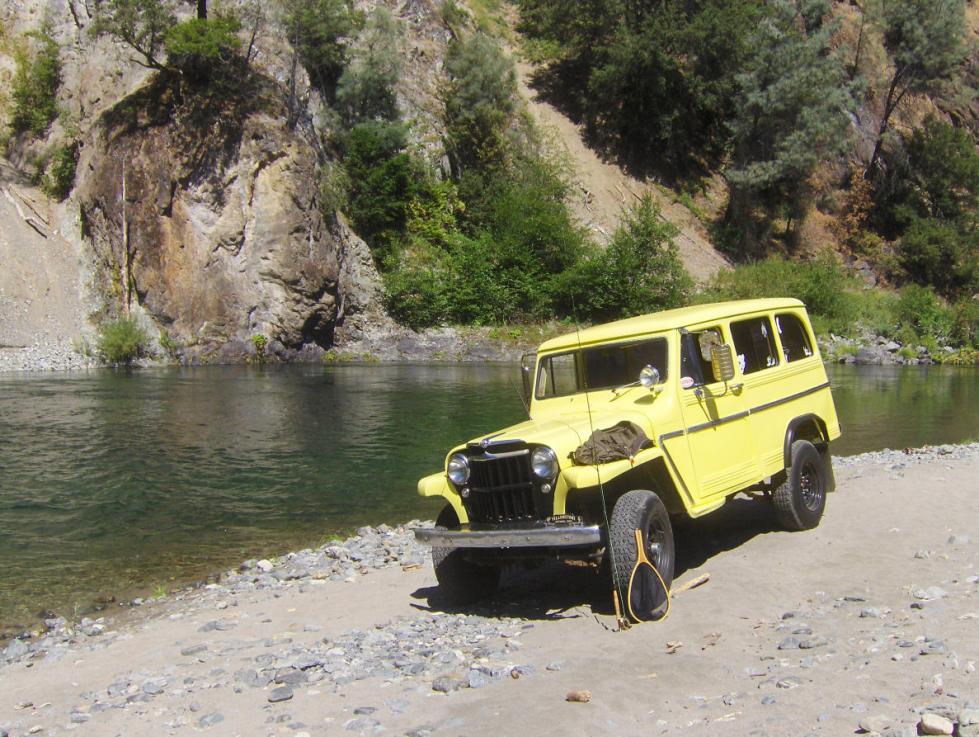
[[214, 206]]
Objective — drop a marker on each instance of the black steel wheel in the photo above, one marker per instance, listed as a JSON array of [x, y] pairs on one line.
[[644, 511], [800, 499], [462, 580]]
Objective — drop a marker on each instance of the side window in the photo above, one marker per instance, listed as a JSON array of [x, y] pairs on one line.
[[558, 375], [794, 337], [695, 364], [754, 344]]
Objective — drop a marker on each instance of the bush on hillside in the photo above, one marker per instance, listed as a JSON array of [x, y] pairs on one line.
[[640, 271], [122, 341], [35, 84], [382, 180], [59, 176], [203, 48]]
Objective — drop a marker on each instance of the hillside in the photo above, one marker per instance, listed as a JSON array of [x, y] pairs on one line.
[[278, 181]]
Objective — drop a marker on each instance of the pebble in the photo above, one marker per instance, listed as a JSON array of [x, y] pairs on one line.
[[194, 649], [448, 684], [959, 540], [789, 643], [209, 720], [870, 612]]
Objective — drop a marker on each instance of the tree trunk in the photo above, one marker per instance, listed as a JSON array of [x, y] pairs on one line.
[[890, 104], [202, 9]]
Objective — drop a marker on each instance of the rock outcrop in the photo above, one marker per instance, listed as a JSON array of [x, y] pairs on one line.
[[205, 211]]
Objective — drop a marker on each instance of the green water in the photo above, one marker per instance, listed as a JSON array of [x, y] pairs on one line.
[[115, 482]]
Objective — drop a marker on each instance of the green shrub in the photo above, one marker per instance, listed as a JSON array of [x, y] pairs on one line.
[[416, 292], [941, 254], [821, 284], [965, 322], [60, 175], [203, 47], [35, 84], [382, 181], [640, 271], [260, 342], [122, 341], [168, 344], [921, 312]]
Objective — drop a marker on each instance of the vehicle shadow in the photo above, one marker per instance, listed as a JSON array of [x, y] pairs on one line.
[[556, 591]]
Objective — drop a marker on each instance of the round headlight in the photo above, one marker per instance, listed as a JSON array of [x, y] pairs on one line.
[[458, 469], [544, 461]]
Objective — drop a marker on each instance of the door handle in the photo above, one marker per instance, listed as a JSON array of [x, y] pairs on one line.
[[737, 388]]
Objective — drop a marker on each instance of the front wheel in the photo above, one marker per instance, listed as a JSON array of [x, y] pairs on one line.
[[801, 498], [643, 511], [461, 581]]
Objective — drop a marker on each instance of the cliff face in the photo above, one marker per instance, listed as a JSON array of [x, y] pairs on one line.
[[221, 217]]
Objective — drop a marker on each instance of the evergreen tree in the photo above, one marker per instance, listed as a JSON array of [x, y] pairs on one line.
[[140, 24], [791, 114], [366, 87], [479, 100], [319, 32], [925, 42]]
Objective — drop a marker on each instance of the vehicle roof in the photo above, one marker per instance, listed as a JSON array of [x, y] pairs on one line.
[[663, 321]]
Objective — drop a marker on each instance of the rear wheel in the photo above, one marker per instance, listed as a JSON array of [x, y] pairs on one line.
[[643, 511], [462, 580], [800, 499]]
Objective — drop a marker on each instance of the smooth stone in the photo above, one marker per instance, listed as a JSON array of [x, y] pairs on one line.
[[789, 682], [282, 693], [789, 643], [194, 649], [875, 723], [264, 565], [365, 710], [812, 642], [209, 720], [935, 724]]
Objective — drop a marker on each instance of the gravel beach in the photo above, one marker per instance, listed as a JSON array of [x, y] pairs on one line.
[[867, 623]]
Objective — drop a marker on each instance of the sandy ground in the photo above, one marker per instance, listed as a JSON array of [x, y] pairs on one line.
[[882, 598]]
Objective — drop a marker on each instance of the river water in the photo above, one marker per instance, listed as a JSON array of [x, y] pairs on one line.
[[120, 482]]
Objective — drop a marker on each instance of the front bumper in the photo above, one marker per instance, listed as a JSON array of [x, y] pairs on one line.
[[542, 537]]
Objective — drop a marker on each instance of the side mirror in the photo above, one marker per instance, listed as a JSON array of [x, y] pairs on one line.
[[527, 363], [722, 361]]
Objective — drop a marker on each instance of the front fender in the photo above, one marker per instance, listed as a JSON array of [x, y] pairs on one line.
[[584, 477], [437, 485]]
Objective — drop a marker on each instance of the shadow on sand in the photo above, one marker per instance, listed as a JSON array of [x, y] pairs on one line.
[[556, 591]]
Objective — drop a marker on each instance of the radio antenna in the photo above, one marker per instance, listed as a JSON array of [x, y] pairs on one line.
[[617, 598]]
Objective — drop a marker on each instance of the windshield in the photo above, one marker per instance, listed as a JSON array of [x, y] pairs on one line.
[[600, 367]]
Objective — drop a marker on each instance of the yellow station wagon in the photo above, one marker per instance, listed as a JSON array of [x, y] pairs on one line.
[[635, 422]]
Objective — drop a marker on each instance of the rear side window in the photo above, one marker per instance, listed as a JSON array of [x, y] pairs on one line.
[[794, 337], [754, 344], [558, 376]]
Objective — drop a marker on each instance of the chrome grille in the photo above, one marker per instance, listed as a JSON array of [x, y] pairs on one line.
[[502, 489]]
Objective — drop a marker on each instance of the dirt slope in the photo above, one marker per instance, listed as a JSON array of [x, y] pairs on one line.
[[605, 190], [41, 307]]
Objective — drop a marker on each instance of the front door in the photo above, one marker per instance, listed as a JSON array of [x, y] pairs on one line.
[[715, 415]]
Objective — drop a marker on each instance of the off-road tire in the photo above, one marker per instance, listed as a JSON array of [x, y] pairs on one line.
[[800, 499], [645, 511], [461, 581]]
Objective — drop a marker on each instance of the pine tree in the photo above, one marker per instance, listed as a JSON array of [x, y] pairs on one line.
[[925, 41], [791, 113]]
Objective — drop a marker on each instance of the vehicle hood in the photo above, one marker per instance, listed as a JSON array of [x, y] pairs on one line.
[[565, 432]]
